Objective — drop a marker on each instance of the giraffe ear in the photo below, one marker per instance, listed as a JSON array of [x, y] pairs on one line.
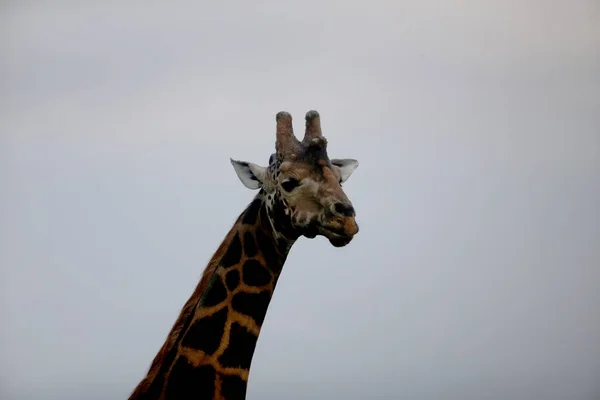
[[345, 167], [251, 175]]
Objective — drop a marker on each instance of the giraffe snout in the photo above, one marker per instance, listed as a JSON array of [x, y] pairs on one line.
[[350, 226], [342, 219], [343, 209]]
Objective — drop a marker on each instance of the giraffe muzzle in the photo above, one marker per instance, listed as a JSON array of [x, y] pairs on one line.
[[341, 232]]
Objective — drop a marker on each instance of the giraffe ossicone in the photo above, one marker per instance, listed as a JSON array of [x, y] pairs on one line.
[[209, 350]]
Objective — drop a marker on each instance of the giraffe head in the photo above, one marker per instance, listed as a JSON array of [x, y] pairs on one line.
[[302, 186]]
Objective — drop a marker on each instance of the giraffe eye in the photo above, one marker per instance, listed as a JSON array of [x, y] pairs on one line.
[[290, 184]]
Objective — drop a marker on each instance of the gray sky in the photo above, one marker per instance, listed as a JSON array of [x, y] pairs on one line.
[[476, 271]]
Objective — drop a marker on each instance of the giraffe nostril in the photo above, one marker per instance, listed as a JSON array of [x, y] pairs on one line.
[[344, 209]]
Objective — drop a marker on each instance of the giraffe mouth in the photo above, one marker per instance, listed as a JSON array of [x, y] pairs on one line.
[[336, 238]]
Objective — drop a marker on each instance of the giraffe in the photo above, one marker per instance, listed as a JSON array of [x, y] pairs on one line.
[[208, 352]]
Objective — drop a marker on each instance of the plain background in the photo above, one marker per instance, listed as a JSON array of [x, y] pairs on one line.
[[476, 273]]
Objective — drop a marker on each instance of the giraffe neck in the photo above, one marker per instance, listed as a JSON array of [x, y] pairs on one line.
[[208, 353]]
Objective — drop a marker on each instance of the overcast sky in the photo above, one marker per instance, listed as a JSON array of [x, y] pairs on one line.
[[476, 272]]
